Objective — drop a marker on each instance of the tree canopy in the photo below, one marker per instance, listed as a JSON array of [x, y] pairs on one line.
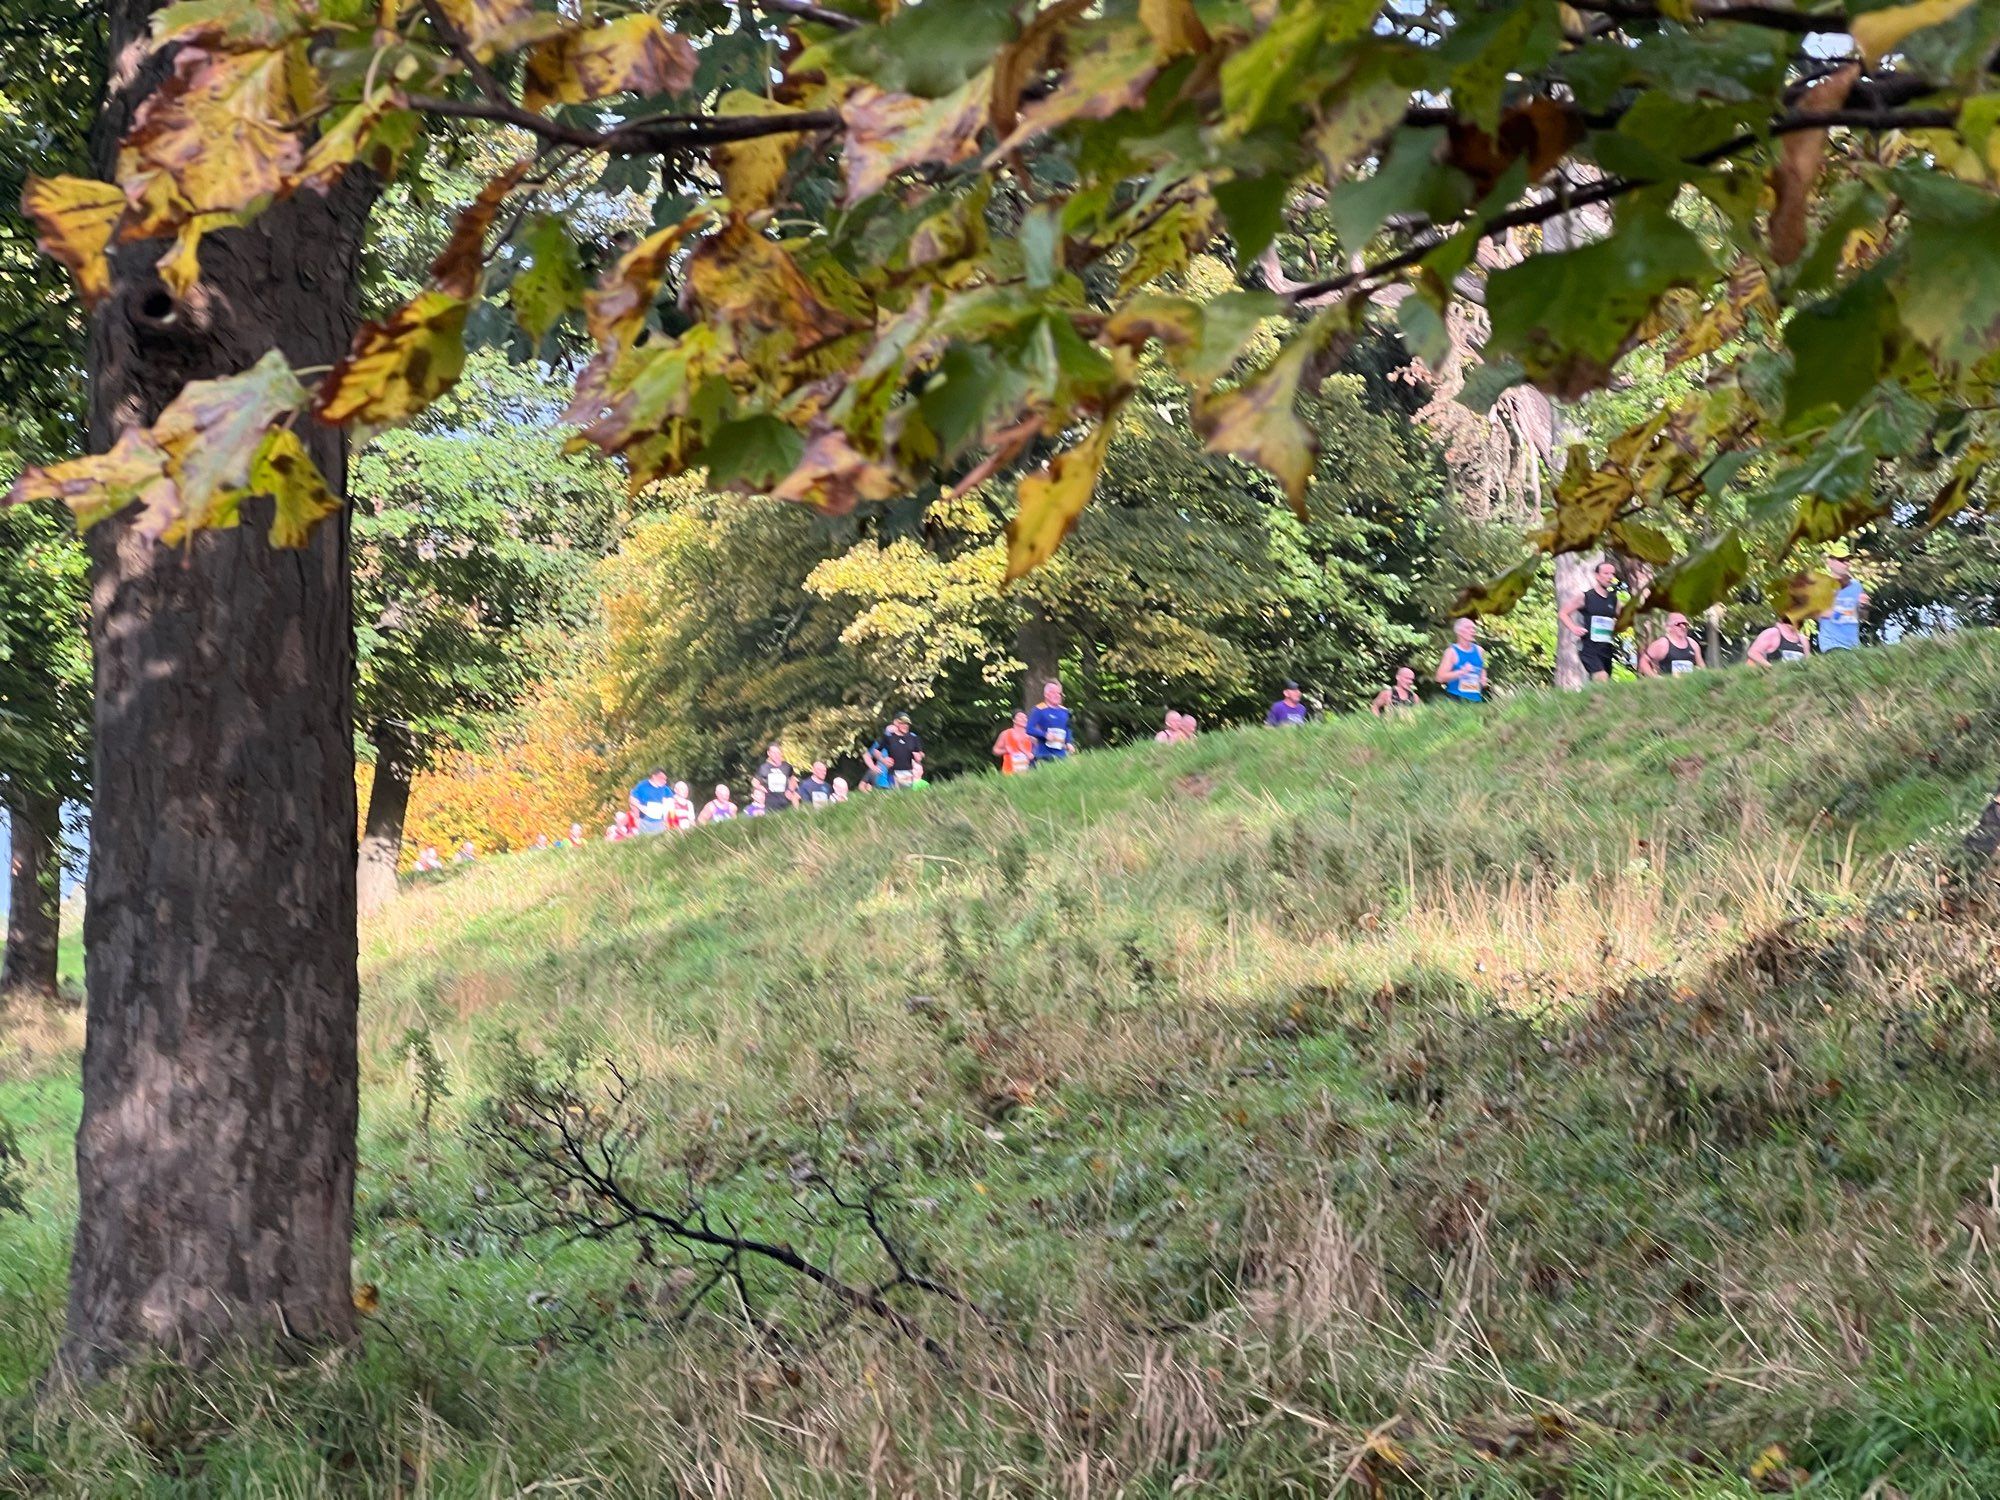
[[934, 243]]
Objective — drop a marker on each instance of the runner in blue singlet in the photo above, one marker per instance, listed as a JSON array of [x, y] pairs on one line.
[[1461, 671]]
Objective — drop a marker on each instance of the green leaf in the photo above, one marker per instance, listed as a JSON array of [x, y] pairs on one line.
[[926, 50], [1259, 421], [1707, 575], [1488, 381], [1949, 284], [1839, 348], [752, 453], [1497, 596], [1569, 315], [552, 284], [1254, 209]]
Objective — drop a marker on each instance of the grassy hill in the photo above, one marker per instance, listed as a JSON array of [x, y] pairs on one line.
[[1582, 1096]]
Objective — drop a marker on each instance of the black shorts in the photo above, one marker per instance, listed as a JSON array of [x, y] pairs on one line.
[[1596, 658]]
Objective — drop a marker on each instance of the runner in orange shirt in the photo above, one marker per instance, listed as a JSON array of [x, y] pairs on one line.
[[1014, 747]]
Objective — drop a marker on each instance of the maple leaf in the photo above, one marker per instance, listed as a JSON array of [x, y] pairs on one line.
[[456, 271], [631, 55], [99, 485], [1050, 501], [552, 284], [284, 473], [746, 280], [73, 218], [398, 365]]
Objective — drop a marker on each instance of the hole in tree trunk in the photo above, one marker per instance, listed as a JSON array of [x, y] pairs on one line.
[[158, 309]]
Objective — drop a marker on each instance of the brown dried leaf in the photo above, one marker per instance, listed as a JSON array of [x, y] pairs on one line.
[[889, 133], [1799, 159], [398, 365], [633, 54], [457, 269], [1051, 499], [834, 476]]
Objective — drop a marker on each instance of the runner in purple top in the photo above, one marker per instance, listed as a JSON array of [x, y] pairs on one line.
[[1290, 709]]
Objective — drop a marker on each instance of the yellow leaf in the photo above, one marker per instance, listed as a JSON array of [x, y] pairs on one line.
[[745, 280], [457, 269], [1808, 595], [1175, 28], [399, 365], [889, 133], [1769, 1462], [633, 54], [482, 22], [617, 309], [752, 170], [73, 218], [100, 485], [285, 474], [1112, 73], [1879, 32], [1051, 500], [367, 1297], [266, 23], [180, 268], [1258, 422], [223, 130], [375, 131], [211, 431]]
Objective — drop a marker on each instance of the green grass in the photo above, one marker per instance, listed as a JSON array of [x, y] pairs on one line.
[[1584, 1095]]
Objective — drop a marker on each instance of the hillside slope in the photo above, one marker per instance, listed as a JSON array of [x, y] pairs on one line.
[[1584, 1095]]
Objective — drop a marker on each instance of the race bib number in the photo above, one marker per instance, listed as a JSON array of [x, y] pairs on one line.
[[775, 781], [1017, 760], [819, 799], [1056, 738], [1788, 653], [1681, 667], [1600, 629]]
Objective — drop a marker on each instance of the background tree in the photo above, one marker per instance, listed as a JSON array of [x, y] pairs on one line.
[[475, 539]]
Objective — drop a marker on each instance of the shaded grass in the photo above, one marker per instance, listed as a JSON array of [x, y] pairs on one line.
[[1584, 1096]]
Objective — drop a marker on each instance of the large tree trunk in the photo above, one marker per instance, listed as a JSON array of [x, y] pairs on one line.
[[1039, 645], [388, 804], [34, 895], [215, 1160]]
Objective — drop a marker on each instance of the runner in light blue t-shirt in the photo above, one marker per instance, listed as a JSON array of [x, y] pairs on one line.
[[1461, 670], [1840, 627]]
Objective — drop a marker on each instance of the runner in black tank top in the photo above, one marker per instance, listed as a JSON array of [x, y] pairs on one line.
[[1673, 653], [1592, 617], [1399, 698]]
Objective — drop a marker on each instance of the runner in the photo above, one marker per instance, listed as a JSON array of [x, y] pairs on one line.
[[1596, 631], [899, 750], [1289, 709], [1840, 627], [1190, 726], [1781, 643], [648, 802], [814, 791], [1171, 734], [467, 852], [775, 777], [429, 860], [760, 801], [1399, 697], [1674, 653], [840, 789], [680, 811], [718, 808], [623, 826], [1048, 725], [1014, 747], [1462, 668]]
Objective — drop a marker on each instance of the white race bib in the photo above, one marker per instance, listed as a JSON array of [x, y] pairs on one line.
[[1017, 759], [1682, 666], [774, 780], [1600, 629], [1055, 737], [819, 799]]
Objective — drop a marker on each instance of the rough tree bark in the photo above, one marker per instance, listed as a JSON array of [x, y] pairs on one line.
[[1572, 578], [215, 1160], [1039, 645], [388, 805], [1983, 842], [34, 895]]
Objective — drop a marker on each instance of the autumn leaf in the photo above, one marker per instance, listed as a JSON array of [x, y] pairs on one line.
[[833, 476], [223, 132], [1956, 492], [212, 432], [73, 218], [1258, 422], [377, 132], [99, 485], [1112, 71], [1808, 595], [890, 133], [284, 473], [180, 268], [744, 279], [260, 25], [456, 271], [1174, 27], [398, 365], [367, 1297], [1704, 576], [618, 308], [486, 25], [552, 283], [1586, 502], [1050, 501], [1879, 32], [633, 54], [1496, 596], [752, 171], [1799, 158]]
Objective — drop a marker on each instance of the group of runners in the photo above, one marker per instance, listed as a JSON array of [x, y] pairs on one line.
[[1038, 736]]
